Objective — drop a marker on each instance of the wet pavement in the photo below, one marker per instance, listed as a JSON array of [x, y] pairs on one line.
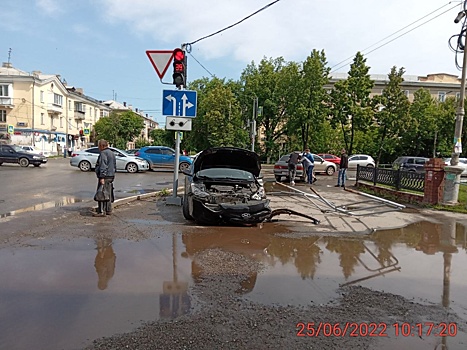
[[73, 279]]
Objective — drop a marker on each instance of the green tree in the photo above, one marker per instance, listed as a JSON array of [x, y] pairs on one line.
[[218, 121], [351, 103], [393, 106], [310, 108], [162, 137], [119, 128]]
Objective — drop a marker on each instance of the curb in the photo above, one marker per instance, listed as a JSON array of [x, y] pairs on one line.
[[126, 200]]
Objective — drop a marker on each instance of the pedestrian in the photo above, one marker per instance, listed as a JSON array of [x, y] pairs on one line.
[[105, 170], [311, 178], [70, 151], [292, 162], [343, 165]]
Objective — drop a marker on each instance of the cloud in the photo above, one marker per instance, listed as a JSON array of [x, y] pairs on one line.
[[293, 28], [50, 7]]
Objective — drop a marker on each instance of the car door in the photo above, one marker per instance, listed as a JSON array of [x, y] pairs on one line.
[[167, 157], [91, 154], [319, 166], [120, 158], [9, 155], [153, 154], [420, 164]]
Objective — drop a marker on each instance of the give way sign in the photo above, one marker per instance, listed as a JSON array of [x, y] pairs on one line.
[[161, 60]]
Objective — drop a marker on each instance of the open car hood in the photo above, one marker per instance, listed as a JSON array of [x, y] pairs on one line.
[[228, 157]]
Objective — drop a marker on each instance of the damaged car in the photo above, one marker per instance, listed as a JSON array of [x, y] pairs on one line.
[[223, 186]]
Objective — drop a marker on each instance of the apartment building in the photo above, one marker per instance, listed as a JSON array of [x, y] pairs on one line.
[[42, 110]]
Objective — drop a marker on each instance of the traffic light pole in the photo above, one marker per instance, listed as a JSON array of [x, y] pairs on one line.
[[174, 199]]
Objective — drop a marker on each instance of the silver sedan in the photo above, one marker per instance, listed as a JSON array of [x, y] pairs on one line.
[[86, 160]]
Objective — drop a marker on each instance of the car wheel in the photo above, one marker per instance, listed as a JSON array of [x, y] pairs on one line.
[[278, 178], [131, 168], [84, 166], [1, 163], [24, 162], [370, 165], [330, 170], [184, 166], [186, 209]]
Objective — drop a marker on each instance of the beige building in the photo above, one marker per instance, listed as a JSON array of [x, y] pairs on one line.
[[42, 110]]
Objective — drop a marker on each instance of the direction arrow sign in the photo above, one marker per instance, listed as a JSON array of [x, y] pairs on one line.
[[160, 60], [179, 103]]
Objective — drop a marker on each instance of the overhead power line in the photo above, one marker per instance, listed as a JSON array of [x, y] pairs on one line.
[[346, 61], [233, 25]]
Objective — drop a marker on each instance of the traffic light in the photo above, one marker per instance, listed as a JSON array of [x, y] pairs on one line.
[[179, 67]]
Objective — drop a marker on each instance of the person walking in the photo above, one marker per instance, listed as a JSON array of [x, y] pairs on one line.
[[343, 165], [105, 171], [294, 158], [309, 170]]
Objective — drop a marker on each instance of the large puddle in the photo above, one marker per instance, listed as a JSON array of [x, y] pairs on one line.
[[62, 296]]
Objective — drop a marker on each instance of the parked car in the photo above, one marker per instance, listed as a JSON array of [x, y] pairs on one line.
[[462, 163], [17, 155], [34, 150], [221, 186], [163, 157], [409, 163], [281, 168], [361, 159], [330, 158], [86, 160], [132, 151]]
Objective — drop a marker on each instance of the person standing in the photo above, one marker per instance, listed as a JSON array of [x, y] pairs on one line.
[[105, 171], [309, 171], [343, 165], [292, 163]]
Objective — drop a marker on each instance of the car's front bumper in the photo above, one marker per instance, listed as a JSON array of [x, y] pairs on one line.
[[253, 212]]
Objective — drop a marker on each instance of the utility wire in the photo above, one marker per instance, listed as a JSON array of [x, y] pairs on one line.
[[397, 37], [212, 75], [233, 25]]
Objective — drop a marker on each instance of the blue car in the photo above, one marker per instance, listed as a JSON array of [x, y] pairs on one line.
[[161, 157]]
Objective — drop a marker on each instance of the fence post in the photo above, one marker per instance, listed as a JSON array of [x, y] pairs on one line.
[[358, 174], [398, 179], [375, 175]]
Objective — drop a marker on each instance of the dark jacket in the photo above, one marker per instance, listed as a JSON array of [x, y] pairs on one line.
[[344, 163], [293, 159], [106, 165]]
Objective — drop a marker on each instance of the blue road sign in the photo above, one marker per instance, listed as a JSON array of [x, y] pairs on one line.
[[179, 103]]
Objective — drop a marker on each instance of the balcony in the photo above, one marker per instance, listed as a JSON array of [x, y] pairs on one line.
[[78, 115], [54, 109], [6, 102]]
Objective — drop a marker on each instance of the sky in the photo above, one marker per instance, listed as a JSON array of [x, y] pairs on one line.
[[100, 45]]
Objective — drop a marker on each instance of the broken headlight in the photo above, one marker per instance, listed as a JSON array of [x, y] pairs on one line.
[[199, 190]]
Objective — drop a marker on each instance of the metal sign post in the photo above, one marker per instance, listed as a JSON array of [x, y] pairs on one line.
[[175, 200]]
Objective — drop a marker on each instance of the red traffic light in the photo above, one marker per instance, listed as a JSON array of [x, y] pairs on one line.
[[179, 55], [179, 65]]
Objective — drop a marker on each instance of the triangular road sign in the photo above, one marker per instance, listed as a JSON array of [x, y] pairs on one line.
[[161, 60]]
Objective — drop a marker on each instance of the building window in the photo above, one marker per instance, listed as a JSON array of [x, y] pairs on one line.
[[42, 118], [58, 100], [42, 96], [407, 93], [69, 105], [2, 116], [79, 107], [441, 96], [4, 90], [61, 122], [51, 122], [458, 96]]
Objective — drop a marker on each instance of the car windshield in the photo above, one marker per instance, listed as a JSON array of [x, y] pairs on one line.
[[225, 174]]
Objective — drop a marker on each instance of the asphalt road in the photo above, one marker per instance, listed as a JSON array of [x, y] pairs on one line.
[[58, 183]]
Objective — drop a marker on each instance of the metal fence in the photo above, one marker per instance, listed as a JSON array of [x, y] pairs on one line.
[[398, 179]]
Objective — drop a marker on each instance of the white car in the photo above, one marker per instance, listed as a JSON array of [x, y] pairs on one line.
[[34, 150], [86, 160], [361, 159], [462, 163]]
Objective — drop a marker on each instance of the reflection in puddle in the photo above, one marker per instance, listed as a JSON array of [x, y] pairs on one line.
[[41, 206], [82, 285]]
